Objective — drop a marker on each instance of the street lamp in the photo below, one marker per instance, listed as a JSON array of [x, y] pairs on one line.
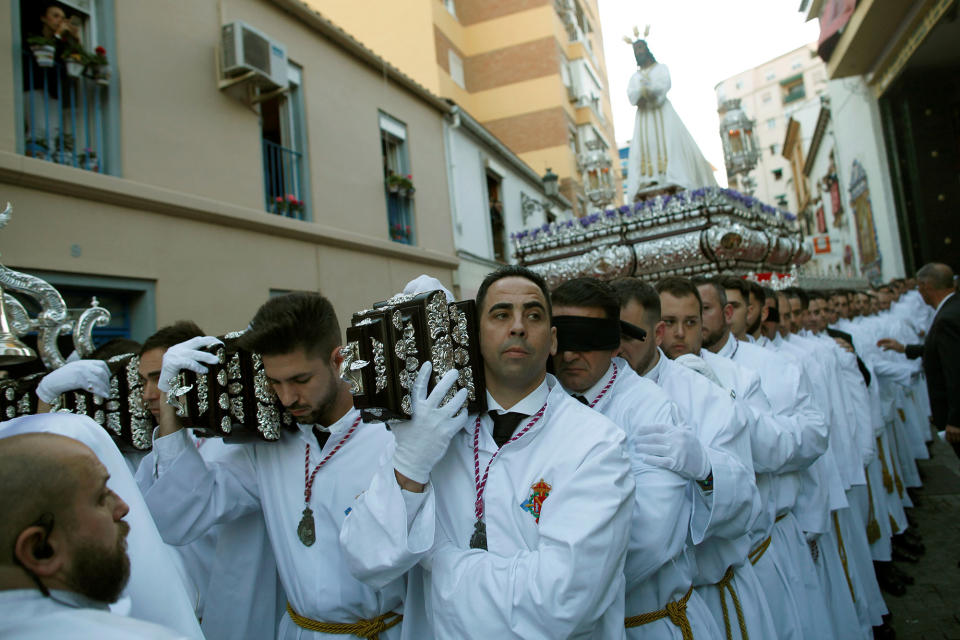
[[550, 184], [739, 144]]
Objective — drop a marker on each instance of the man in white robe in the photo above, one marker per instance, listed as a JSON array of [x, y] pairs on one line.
[[504, 525], [658, 572], [724, 514], [304, 483], [75, 546]]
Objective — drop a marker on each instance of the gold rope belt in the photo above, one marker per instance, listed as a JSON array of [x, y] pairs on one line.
[[761, 549], [781, 517], [676, 611], [843, 554], [724, 585], [873, 527], [368, 629], [887, 478]]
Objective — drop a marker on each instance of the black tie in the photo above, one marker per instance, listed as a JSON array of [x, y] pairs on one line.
[[322, 436], [504, 424], [581, 399]]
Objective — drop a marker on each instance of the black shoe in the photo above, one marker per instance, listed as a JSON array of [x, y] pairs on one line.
[[902, 555], [902, 543], [912, 537], [884, 632], [899, 574], [888, 580], [911, 521]]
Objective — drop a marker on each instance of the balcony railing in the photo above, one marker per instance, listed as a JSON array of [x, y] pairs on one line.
[[63, 113], [283, 181]]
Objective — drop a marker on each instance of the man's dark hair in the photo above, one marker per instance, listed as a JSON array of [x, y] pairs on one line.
[[702, 281], [679, 287], [115, 347], [643, 293], [513, 271], [799, 294], [737, 284], [303, 320], [757, 291], [170, 335], [587, 292], [816, 295], [769, 293]]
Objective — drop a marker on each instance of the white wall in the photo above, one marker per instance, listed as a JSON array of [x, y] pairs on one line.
[[859, 135], [468, 163]]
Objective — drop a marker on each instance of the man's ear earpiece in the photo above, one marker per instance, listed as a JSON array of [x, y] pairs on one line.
[[42, 550]]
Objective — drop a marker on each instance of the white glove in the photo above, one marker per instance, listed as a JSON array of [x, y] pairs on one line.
[[674, 448], [699, 365], [423, 439], [79, 375], [186, 355]]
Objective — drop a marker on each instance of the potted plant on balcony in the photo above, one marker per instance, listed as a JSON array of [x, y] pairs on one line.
[[99, 67], [75, 59], [43, 50], [288, 205], [400, 233], [88, 160], [36, 148], [393, 182]]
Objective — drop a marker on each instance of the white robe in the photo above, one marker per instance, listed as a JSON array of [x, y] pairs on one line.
[[657, 570], [561, 577], [802, 440], [26, 614], [151, 561], [189, 496], [662, 151], [727, 513]]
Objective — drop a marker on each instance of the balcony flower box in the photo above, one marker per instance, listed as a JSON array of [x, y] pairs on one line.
[[401, 185], [43, 49], [99, 67]]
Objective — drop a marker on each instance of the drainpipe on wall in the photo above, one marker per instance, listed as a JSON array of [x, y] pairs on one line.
[[451, 122]]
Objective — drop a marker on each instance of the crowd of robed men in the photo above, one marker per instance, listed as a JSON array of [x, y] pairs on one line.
[[703, 458]]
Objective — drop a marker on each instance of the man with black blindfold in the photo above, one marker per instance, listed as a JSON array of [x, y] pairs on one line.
[[658, 572]]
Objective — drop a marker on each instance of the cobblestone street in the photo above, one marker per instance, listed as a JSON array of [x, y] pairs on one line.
[[930, 610]]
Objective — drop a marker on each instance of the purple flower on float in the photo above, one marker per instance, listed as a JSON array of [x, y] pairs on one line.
[[610, 213], [624, 209]]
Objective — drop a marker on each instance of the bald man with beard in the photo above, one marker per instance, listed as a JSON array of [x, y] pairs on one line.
[[67, 535]]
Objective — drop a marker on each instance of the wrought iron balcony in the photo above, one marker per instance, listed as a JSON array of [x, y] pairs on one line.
[[64, 108], [283, 181]]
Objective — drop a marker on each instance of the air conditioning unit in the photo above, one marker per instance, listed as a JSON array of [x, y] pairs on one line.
[[246, 49]]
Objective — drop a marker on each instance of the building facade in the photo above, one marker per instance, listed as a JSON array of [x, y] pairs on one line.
[[171, 189], [531, 71], [900, 62], [784, 88]]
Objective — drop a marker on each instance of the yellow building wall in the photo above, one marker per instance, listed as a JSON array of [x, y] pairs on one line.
[[399, 32]]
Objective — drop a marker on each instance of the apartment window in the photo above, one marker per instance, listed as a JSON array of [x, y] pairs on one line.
[[771, 75], [396, 173], [774, 149], [771, 123], [778, 174], [739, 84], [283, 140], [766, 97], [792, 89], [797, 64], [456, 68], [451, 6], [498, 232], [66, 107], [782, 200]]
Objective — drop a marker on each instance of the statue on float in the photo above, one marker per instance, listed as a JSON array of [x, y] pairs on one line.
[[663, 155]]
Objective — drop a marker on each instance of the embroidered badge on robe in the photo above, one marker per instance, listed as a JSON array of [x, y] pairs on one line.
[[533, 504]]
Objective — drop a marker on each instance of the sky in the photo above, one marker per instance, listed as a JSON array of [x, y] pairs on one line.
[[702, 42]]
